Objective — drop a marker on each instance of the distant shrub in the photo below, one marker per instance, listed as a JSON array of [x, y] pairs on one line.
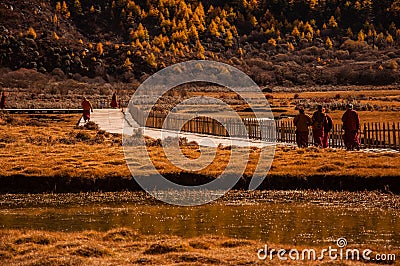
[[353, 46], [265, 65], [281, 58], [391, 64], [342, 54]]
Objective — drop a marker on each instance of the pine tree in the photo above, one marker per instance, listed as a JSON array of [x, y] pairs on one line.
[[332, 22], [200, 50], [64, 8], [213, 29], [296, 32], [328, 43], [77, 7], [128, 64], [55, 19], [55, 36], [58, 7], [193, 34], [151, 60], [31, 33], [361, 36], [229, 39], [389, 39], [253, 21], [272, 42], [99, 48], [349, 32], [290, 47]]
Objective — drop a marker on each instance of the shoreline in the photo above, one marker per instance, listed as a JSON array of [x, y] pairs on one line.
[[60, 184]]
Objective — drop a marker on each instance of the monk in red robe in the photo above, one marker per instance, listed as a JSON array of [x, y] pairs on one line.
[[3, 100], [302, 121], [351, 126], [114, 102], [318, 121], [327, 130], [87, 107]]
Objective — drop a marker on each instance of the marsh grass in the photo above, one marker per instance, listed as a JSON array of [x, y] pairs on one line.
[[95, 248]]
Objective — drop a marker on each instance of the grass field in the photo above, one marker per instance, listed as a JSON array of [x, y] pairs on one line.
[[52, 146]]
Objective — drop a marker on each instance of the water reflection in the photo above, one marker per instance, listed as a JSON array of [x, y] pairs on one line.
[[286, 223]]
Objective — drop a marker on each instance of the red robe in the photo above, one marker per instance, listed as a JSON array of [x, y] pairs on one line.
[[114, 103], [3, 101], [351, 126]]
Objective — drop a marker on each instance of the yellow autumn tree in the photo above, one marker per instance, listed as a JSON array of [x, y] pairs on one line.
[[272, 42], [290, 47], [78, 7], [328, 43], [295, 32], [128, 64], [55, 36], [361, 36], [58, 7], [229, 39], [389, 39], [151, 60], [200, 50], [332, 22], [213, 29], [99, 48], [31, 33], [193, 34]]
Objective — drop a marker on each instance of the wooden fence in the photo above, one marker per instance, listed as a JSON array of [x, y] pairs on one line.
[[372, 135]]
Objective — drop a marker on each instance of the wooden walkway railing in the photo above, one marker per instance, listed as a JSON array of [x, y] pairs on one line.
[[372, 135]]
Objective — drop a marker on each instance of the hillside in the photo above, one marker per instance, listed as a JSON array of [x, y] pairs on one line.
[[280, 42]]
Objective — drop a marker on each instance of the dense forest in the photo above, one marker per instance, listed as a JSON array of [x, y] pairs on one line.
[[281, 42]]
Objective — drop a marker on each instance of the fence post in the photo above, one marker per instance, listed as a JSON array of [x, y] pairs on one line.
[[394, 136], [384, 135]]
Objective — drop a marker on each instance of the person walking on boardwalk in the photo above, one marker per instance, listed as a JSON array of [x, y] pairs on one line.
[[87, 107], [302, 121], [351, 126], [327, 129], [318, 121], [114, 101], [3, 100]]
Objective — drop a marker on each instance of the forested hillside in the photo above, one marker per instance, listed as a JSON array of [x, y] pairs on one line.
[[281, 42]]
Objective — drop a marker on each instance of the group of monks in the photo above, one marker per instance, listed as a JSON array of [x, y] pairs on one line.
[[322, 125], [87, 106]]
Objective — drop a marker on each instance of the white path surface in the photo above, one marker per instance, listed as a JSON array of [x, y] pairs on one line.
[[112, 120]]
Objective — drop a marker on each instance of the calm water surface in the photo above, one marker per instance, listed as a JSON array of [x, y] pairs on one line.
[[286, 223]]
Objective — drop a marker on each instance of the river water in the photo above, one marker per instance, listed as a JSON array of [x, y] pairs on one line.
[[283, 218]]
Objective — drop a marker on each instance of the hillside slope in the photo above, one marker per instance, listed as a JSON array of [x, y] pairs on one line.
[[282, 42]]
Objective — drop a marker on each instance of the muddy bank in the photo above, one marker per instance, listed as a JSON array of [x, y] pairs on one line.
[[60, 184]]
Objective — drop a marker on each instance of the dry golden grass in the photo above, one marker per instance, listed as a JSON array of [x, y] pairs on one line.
[[124, 246], [58, 149]]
